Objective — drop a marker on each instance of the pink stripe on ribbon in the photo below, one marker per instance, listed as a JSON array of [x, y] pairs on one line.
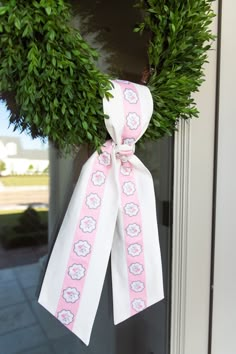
[[132, 219], [84, 238]]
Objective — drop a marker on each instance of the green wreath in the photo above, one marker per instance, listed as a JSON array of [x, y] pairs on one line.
[[49, 78]]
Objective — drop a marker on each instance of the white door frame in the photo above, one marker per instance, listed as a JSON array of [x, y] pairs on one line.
[[192, 220], [224, 295]]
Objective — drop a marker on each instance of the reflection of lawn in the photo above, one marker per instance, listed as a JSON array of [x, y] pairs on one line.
[[10, 217], [34, 180]]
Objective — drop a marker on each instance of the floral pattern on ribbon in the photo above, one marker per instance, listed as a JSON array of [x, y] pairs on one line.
[[76, 271], [133, 120], [129, 141], [137, 286], [131, 209], [98, 178], [82, 248], [87, 224], [130, 96], [128, 188], [65, 317], [135, 249], [131, 204], [71, 295], [136, 268], [138, 305], [104, 159], [93, 201], [125, 170], [133, 230]]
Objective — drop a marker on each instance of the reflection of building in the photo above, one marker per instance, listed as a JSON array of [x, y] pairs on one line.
[[20, 161]]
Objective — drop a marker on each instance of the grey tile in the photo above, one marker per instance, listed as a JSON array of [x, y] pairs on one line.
[[21, 340], [52, 327], [26, 268], [4, 262], [15, 317], [28, 275], [44, 349], [6, 275], [10, 294], [70, 344], [30, 293]]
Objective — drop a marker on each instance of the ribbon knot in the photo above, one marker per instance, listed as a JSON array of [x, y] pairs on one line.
[[124, 151], [112, 211]]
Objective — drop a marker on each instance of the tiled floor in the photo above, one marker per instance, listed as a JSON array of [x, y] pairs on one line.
[[19, 256], [25, 327]]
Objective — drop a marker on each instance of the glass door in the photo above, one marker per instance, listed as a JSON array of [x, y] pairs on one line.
[[108, 26], [27, 327]]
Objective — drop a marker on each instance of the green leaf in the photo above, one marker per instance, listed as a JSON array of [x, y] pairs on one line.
[[48, 10], [85, 125], [89, 136], [52, 35], [17, 23], [173, 28], [63, 108], [3, 10]]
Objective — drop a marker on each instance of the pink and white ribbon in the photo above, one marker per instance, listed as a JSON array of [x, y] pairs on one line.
[[112, 211]]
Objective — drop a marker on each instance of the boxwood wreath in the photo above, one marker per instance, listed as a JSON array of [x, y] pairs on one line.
[[52, 87]]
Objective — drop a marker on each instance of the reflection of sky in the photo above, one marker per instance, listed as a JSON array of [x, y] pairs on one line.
[[6, 130]]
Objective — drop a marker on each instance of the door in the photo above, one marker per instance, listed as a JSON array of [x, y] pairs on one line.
[[124, 53]]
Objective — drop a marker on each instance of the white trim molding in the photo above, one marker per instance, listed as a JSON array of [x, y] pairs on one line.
[[192, 221], [224, 310], [179, 250]]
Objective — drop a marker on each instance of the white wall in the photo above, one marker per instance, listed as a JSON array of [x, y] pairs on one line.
[[224, 303]]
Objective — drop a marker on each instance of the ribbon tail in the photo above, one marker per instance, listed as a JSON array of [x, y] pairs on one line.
[[136, 260], [75, 274]]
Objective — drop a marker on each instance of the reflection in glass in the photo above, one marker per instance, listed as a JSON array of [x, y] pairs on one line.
[[108, 26]]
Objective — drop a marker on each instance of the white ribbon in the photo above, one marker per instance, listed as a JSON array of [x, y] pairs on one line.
[[112, 210]]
